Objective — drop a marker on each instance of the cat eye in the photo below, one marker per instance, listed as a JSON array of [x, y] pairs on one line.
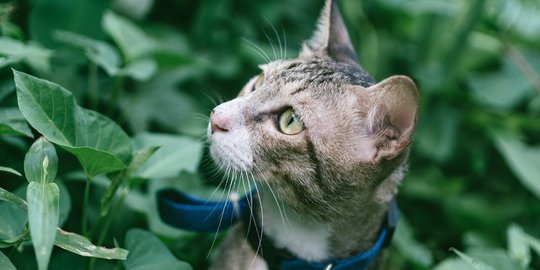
[[258, 82], [290, 123]]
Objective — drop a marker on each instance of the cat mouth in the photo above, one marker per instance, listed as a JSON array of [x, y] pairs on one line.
[[231, 150]]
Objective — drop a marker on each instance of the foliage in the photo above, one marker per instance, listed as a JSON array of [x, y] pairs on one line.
[[107, 103]]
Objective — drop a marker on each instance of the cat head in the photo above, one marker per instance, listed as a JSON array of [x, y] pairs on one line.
[[317, 129]]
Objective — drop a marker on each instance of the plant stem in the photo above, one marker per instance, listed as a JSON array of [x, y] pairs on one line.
[[85, 206]]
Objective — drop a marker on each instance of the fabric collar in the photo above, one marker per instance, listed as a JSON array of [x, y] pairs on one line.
[[186, 212]]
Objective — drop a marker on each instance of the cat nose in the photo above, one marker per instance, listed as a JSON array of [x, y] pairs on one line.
[[219, 122]]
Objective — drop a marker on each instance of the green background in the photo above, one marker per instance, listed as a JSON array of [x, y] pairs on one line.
[[157, 68]]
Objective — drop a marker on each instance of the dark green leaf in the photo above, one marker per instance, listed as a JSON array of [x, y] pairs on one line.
[[12, 198], [100, 144], [409, 247], [149, 253]]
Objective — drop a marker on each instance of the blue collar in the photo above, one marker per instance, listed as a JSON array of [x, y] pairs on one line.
[[186, 212]]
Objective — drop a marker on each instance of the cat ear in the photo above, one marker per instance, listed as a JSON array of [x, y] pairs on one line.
[[391, 119], [330, 37]]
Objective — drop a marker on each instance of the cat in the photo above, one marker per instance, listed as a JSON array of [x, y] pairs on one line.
[[327, 145]]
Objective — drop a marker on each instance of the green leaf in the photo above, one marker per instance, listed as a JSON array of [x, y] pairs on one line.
[[82, 246], [149, 253], [176, 154], [504, 89], [475, 263], [534, 244], [34, 55], [99, 52], [518, 245], [453, 264], [43, 217], [409, 247], [12, 198], [41, 162], [140, 70], [523, 160], [5, 263], [10, 170], [8, 61], [132, 41], [14, 218], [100, 144], [12, 122]]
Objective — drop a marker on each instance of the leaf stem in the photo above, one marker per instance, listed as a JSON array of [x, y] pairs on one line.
[[85, 206]]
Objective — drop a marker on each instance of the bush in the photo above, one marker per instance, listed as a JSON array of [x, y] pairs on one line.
[[106, 103]]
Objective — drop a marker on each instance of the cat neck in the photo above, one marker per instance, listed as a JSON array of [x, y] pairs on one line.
[[313, 240]]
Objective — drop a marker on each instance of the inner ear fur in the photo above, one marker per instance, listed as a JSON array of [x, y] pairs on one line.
[[391, 117]]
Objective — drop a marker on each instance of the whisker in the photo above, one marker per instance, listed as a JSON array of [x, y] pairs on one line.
[[257, 49], [278, 38]]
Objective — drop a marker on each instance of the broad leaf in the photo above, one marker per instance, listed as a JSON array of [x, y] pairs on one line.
[[5, 263], [522, 159], [12, 122], [176, 154], [100, 144], [12, 198], [149, 253], [43, 217], [82, 246], [132, 40]]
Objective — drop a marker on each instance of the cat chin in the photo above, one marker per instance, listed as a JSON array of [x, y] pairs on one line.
[[232, 150]]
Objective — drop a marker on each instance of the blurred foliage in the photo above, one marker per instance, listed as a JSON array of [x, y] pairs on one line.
[[471, 199]]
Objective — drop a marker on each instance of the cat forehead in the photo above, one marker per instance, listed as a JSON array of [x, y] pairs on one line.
[[315, 71]]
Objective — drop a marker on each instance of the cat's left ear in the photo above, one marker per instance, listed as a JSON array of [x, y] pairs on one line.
[[331, 37], [391, 118]]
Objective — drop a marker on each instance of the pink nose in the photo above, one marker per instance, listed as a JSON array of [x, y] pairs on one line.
[[219, 122]]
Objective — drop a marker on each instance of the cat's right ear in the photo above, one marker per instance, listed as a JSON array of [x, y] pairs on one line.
[[331, 37], [391, 117]]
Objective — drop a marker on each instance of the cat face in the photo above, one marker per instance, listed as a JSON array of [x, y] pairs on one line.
[[316, 129]]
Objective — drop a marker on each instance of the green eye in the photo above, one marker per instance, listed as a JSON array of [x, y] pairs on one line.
[[289, 123]]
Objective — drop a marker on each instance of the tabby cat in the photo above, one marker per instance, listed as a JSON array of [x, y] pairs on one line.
[[328, 146]]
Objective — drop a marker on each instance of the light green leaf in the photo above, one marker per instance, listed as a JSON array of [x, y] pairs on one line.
[[176, 154], [100, 144], [14, 218], [134, 8], [523, 160], [65, 202], [10, 170], [475, 263], [409, 247], [34, 55], [453, 264], [82, 246], [99, 52], [149, 253], [5, 263], [8, 61], [12, 122], [140, 70], [132, 41], [518, 246], [43, 217], [41, 162], [504, 89]]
